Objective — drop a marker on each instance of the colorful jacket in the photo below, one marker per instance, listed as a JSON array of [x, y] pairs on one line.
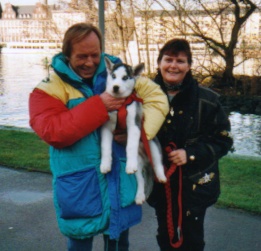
[[67, 114]]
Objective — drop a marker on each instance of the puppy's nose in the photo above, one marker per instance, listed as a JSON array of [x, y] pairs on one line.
[[116, 88]]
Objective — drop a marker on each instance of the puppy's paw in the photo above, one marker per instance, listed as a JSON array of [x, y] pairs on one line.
[[105, 168], [131, 169], [140, 198], [160, 174], [162, 178], [131, 166]]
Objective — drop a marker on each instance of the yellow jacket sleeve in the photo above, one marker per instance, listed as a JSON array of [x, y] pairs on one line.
[[58, 89], [155, 105]]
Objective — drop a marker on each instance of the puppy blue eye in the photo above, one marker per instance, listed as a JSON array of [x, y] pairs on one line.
[[125, 78], [113, 75]]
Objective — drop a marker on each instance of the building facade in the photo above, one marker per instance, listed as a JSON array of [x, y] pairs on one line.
[[39, 23], [42, 23]]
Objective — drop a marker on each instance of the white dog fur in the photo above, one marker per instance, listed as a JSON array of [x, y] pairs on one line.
[[120, 83]]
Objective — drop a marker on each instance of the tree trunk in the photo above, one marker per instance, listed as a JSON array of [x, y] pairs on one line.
[[119, 22], [227, 76]]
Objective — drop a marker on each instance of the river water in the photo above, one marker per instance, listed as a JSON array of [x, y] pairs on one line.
[[20, 73]]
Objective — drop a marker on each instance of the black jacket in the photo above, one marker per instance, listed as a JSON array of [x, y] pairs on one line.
[[200, 126]]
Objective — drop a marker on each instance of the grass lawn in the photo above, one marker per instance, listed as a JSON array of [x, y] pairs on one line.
[[23, 150], [241, 183], [240, 176]]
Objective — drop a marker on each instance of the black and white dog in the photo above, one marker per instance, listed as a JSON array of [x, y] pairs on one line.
[[120, 83]]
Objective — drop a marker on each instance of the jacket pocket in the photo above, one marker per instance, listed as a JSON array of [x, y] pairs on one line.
[[128, 185], [203, 189], [78, 194]]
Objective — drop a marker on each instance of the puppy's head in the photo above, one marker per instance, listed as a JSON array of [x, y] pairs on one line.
[[121, 78]]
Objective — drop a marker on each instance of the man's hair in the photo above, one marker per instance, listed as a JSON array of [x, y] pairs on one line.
[[76, 33], [174, 47]]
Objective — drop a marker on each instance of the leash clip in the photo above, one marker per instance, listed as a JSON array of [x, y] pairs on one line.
[[178, 232]]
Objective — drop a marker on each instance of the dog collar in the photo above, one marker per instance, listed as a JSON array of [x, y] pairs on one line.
[[122, 111]]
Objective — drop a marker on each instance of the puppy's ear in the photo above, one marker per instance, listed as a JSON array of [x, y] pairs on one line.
[[138, 69], [108, 63]]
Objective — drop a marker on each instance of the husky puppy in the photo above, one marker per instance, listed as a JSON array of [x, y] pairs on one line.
[[120, 83]]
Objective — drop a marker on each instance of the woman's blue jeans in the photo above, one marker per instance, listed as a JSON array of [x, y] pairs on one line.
[[122, 244]]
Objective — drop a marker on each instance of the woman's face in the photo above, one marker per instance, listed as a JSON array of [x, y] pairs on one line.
[[174, 68]]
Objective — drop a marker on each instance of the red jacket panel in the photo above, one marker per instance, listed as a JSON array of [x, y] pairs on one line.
[[59, 126]]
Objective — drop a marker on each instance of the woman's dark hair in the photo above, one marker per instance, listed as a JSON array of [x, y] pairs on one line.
[[174, 47], [76, 33]]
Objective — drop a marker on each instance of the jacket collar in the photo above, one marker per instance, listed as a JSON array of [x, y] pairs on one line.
[[62, 68]]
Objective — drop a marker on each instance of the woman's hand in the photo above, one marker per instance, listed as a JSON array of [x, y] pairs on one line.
[[178, 157]]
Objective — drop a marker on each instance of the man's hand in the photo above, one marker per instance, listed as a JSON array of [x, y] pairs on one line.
[[110, 102], [178, 157], [120, 137]]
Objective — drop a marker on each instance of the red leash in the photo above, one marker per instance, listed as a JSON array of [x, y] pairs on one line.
[[168, 173], [170, 223], [121, 124]]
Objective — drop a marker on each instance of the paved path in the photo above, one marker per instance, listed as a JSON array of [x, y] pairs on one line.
[[27, 220]]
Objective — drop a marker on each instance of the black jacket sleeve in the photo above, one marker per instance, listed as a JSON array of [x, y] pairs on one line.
[[214, 140]]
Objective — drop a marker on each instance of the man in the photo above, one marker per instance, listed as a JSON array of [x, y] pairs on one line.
[[66, 111]]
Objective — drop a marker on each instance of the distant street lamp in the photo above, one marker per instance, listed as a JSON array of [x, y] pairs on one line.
[[101, 21]]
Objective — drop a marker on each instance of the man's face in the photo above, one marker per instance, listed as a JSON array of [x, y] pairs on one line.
[[85, 56]]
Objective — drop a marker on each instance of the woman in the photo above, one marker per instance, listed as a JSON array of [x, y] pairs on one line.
[[194, 136]]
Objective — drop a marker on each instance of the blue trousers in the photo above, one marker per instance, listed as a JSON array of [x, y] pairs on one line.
[[121, 244]]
